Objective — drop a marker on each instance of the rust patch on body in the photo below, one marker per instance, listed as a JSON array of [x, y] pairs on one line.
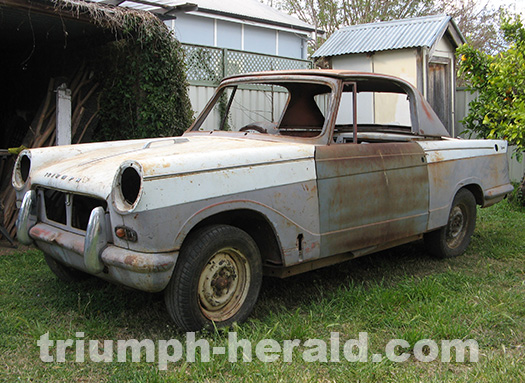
[[130, 260], [47, 234]]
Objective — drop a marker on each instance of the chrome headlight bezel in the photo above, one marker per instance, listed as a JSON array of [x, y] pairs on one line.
[[127, 187]]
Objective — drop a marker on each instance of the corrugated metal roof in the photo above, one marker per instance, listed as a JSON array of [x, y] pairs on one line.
[[239, 9], [166, 8], [387, 35]]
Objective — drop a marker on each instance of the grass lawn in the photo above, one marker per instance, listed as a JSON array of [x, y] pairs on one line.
[[397, 294]]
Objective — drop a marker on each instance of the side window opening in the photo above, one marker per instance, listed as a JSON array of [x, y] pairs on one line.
[[382, 112]]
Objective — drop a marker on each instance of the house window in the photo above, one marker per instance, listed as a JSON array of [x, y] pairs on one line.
[[229, 35], [290, 45], [193, 30], [259, 40]]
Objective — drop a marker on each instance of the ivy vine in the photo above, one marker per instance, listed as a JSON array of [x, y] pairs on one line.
[[143, 81]]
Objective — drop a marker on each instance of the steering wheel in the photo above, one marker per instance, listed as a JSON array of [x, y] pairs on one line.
[[260, 127], [252, 128]]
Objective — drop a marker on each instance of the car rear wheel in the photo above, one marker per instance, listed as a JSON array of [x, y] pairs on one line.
[[64, 273], [216, 280], [453, 239]]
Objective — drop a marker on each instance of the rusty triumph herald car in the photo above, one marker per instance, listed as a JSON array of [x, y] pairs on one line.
[[282, 173]]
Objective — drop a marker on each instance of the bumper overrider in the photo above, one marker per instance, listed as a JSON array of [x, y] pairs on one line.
[[93, 253]]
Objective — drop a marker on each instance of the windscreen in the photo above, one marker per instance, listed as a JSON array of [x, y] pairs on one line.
[[296, 109]]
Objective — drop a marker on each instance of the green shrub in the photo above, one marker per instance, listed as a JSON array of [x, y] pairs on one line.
[[143, 83]]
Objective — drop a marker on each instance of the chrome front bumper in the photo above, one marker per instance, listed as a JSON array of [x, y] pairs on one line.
[[92, 253]]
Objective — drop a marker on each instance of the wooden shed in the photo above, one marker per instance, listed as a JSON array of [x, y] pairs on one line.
[[49, 91], [420, 50]]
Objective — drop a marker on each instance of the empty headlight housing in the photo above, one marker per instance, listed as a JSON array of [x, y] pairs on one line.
[[21, 170], [127, 187]]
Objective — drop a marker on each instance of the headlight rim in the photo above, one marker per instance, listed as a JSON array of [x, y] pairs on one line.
[[120, 202], [18, 181]]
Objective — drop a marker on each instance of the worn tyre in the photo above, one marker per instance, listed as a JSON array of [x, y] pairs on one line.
[[64, 273], [216, 280], [453, 239]]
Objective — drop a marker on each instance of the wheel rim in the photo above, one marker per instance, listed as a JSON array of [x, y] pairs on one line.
[[457, 225], [223, 284]]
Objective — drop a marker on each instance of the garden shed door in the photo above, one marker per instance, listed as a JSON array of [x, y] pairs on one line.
[[439, 92]]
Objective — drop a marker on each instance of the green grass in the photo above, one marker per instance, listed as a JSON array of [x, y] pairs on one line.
[[401, 293]]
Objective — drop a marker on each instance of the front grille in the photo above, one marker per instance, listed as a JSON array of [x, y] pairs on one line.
[[72, 210], [55, 206]]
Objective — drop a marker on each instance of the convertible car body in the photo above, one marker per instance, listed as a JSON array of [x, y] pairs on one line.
[[282, 172]]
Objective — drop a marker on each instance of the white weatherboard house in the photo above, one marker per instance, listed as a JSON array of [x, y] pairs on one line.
[[227, 37], [246, 25], [420, 50]]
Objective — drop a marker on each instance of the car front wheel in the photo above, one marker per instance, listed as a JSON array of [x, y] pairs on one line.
[[216, 280], [64, 273]]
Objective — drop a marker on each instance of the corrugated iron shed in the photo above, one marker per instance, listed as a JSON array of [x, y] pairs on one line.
[[389, 35]]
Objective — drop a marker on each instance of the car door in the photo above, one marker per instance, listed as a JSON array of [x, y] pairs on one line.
[[371, 193]]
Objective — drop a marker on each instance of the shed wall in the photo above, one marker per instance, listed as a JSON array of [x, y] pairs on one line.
[[400, 63]]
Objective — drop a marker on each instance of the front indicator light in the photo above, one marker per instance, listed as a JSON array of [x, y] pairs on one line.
[[126, 233]]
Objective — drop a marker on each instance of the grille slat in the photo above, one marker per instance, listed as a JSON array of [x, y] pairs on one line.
[[67, 209]]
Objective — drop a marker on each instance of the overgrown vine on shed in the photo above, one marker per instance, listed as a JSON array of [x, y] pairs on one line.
[[142, 74], [144, 88]]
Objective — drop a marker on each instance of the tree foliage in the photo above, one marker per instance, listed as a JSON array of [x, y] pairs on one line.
[[499, 110], [330, 15], [478, 22]]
